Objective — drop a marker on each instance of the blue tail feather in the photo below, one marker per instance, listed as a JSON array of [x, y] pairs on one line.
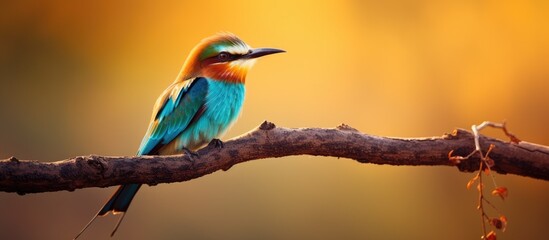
[[121, 199], [118, 203]]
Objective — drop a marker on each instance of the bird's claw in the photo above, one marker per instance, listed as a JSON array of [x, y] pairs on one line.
[[191, 154], [216, 143]]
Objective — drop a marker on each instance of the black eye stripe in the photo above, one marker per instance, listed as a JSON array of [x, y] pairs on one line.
[[226, 56], [221, 57]]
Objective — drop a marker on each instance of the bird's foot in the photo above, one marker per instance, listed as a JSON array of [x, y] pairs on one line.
[[192, 154], [216, 143]]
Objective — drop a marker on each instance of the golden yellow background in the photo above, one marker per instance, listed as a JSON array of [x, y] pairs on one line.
[[80, 77]]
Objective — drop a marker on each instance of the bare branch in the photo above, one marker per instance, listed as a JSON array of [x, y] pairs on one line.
[[268, 141]]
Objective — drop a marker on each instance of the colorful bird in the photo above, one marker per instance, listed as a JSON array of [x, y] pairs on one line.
[[201, 104]]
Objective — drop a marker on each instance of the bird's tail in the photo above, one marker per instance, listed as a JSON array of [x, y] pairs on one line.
[[118, 203]]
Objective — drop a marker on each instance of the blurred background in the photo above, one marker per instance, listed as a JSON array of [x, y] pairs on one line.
[[81, 77]]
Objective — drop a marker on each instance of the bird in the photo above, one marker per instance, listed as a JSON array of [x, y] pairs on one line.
[[197, 108]]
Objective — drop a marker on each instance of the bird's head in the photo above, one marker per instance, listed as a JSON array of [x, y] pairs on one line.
[[222, 57]]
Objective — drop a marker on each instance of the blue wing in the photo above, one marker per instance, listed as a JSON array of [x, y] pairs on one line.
[[179, 105]]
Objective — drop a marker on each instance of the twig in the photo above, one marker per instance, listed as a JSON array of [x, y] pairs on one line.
[[486, 163]]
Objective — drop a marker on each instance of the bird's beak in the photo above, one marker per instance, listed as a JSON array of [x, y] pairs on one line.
[[259, 52]]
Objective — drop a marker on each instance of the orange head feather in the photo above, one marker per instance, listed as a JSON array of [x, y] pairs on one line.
[[223, 57]]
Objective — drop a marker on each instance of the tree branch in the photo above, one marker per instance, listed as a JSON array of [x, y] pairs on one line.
[[268, 141]]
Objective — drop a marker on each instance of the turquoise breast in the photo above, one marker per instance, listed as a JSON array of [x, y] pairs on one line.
[[223, 105]]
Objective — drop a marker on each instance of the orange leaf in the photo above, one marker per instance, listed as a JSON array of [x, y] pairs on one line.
[[489, 162], [501, 192], [503, 220], [470, 183], [487, 170], [491, 236], [480, 186]]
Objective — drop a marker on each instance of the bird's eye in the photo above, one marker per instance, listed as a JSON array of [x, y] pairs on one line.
[[223, 56]]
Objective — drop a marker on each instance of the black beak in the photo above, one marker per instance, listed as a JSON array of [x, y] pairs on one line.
[[259, 52]]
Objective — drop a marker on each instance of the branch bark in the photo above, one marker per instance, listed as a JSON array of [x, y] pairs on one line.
[[268, 141]]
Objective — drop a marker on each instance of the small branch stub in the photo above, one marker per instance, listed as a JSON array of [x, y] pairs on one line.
[[345, 127], [266, 125]]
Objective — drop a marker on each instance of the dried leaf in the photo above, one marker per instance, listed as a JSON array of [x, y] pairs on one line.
[[487, 170], [501, 192], [497, 223], [480, 186], [489, 162], [470, 183], [491, 236], [503, 220]]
